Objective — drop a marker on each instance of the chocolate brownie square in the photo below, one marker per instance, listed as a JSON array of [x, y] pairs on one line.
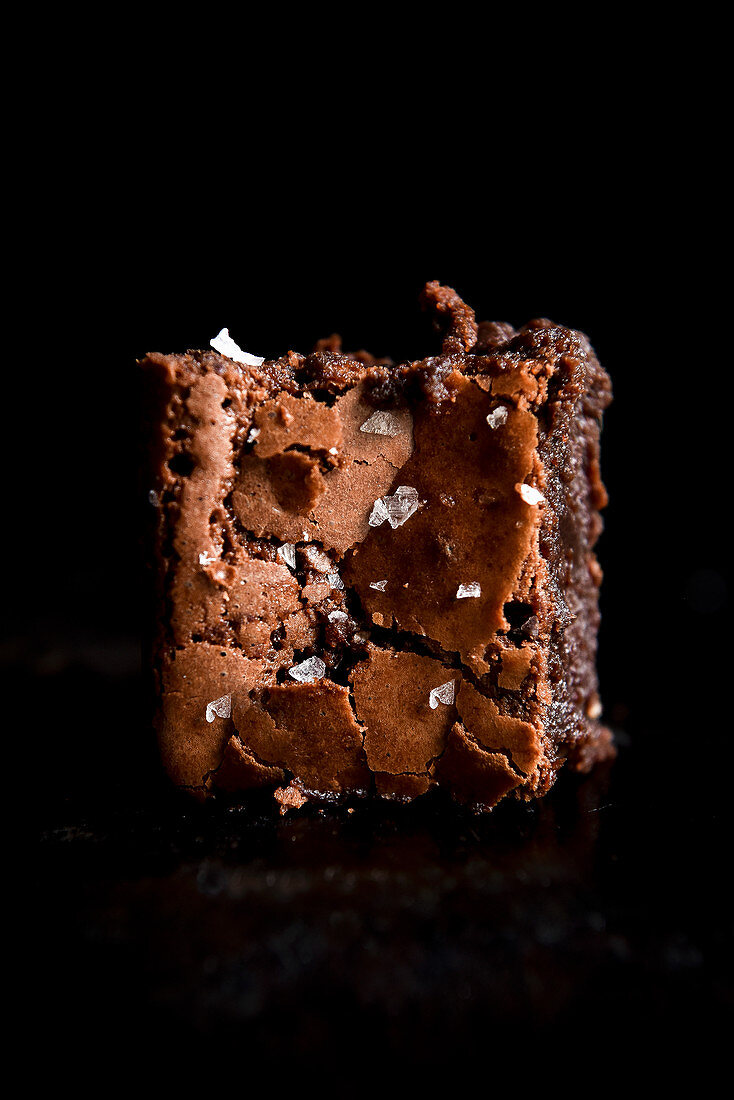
[[375, 577]]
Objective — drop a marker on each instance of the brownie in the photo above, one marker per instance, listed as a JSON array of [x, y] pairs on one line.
[[378, 578]]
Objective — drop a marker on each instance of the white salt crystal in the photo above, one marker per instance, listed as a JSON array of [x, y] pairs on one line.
[[220, 707], [253, 434], [378, 585], [225, 345], [311, 669], [287, 554], [333, 450], [206, 558], [378, 514], [381, 423], [335, 580], [466, 591], [396, 509], [153, 498], [497, 416], [446, 693], [337, 616], [529, 494], [317, 559], [401, 505]]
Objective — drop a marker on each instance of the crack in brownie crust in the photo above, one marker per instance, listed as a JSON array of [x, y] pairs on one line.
[[373, 577]]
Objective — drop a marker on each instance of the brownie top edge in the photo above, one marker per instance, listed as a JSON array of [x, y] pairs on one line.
[[467, 348]]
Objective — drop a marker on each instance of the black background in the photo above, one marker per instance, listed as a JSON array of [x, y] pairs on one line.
[[422, 934]]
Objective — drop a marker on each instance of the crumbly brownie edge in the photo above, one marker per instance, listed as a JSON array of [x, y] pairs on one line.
[[583, 392]]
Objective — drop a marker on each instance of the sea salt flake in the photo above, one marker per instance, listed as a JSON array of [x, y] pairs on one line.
[[467, 591], [381, 423], [287, 554], [531, 627], [396, 509], [225, 345], [253, 434], [529, 494], [337, 616], [335, 580], [153, 498], [445, 693], [311, 669], [206, 558], [497, 416], [379, 586], [222, 708], [333, 450], [378, 514], [317, 559], [401, 505]]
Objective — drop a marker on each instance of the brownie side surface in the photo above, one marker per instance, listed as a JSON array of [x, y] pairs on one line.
[[377, 577]]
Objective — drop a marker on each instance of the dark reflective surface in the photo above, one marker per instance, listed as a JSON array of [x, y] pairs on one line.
[[596, 920], [416, 931]]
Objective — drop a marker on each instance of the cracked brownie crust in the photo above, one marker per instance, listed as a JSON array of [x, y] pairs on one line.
[[378, 577]]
